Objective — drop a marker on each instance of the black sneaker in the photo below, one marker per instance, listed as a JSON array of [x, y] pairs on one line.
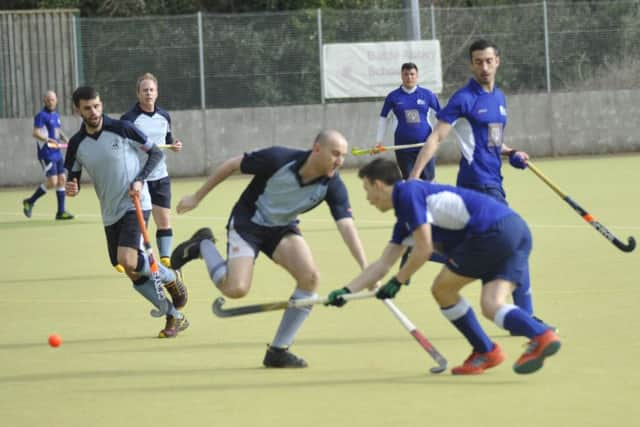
[[190, 249], [64, 215], [282, 358], [27, 208]]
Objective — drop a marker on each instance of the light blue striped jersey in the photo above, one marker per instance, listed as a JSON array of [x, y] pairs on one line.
[[157, 127], [111, 158]]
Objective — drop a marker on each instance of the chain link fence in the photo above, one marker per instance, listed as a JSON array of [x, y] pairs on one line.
[[268, 59]]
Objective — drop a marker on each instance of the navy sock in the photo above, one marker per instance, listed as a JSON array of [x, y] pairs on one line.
[[522, 294], [40, 191], [518, 321], [60, 196]]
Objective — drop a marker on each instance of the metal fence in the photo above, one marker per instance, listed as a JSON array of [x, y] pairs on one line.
[[246, 60]]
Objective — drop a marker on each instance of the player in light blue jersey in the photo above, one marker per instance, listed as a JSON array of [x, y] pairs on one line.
[[477, 113], [108, 150], [286, 182], [415, 110], [482, 239], [48, 134], [155, 123]]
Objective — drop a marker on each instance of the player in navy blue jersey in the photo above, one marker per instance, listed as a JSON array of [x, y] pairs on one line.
[[414, 108], [477, 113], [48, 134], [155, 123], [481, 237], [286, 182], [109, 151]]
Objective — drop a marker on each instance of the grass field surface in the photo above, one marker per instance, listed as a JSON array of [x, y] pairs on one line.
[[365, 370]]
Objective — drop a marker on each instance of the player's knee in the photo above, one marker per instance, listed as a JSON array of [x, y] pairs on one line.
[[310, 282], [438, 292], [489, 309], [235, 290]]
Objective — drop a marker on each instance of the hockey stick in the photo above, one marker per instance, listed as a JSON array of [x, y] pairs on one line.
[[219, 311], [64, 145], [378, 148], [631, 242], [422, 340], [153, 265]]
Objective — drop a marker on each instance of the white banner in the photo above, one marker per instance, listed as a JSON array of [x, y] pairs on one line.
[[360, 70]]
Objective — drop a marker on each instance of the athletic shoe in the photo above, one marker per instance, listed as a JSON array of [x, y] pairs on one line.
[[27, 208], [282, 358], [64, 215], [477, 363], [190, 249], [173, 326], [178, 291], [539, 348], [166, 261]]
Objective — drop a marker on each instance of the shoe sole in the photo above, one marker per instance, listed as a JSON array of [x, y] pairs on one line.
[[533, 365]]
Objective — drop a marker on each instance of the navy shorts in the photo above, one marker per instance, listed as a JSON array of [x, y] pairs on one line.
[[52, 167], [502, 252], [493, 190], [407, 158], [160, 191], [261, 238], [125, 233]]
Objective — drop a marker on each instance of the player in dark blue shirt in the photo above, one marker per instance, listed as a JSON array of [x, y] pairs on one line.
[[48, 134], [477, 113], [286, 182], [481, 237], [415, 108]]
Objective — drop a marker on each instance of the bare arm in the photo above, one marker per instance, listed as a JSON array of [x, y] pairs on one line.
[[40, 134], [350, 236], [430, 147], [63, 136], [221, 173], [375, 271], [422, 250]]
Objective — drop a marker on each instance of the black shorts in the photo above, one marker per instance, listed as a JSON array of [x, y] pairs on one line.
[[160, 191], [261, 238], [125, 233]]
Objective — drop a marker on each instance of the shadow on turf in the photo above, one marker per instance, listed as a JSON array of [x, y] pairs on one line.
[[83, 277], [33, 223]]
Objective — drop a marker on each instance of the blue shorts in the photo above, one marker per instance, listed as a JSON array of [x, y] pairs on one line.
[[160, 191], [493, 190], [407, 158], [261, 238], [126, 233], [501, 252], [52, 167]]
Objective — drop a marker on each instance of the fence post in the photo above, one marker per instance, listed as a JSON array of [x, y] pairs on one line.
[[320, 53], [203, 100], [433, 21], [546, 46], [76, 46]]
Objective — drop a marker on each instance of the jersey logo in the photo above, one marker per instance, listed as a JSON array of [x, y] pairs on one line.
[[412, 116], [421, 102], [482, 111], [494, 137]]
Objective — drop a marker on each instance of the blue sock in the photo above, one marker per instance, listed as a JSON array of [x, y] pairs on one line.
[[216, 265], [292, 320], [40, 191], [464, 319], [518, 321], [164, 239], [60, 195], [147, 289], [166, 274], [522, 294]]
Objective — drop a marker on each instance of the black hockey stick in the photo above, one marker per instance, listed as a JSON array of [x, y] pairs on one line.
[[631, 242]]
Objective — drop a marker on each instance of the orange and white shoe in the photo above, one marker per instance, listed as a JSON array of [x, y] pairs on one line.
[[539, 348], [477, 363]]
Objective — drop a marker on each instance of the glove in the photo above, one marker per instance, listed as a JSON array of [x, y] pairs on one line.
[[335, 297], [389, 289], [517, 161]]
